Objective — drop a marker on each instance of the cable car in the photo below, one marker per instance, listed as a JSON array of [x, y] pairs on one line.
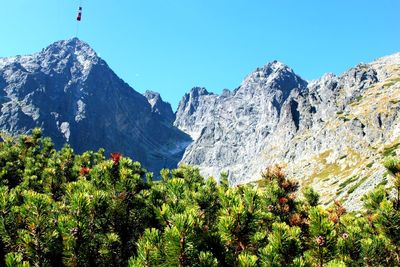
[[79, 17]]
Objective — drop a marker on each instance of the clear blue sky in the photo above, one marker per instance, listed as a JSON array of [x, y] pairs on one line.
[[171, 46]]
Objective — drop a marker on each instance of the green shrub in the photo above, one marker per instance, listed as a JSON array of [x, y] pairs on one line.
[[58, 208]]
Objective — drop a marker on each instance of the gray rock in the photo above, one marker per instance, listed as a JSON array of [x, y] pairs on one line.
[[159, 107]]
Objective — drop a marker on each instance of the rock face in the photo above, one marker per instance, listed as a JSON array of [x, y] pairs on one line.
[[231, 127], [73, 95], [159, 107], [331, 133]]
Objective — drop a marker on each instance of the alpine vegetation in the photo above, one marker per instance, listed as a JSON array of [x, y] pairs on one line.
[[58, 208]]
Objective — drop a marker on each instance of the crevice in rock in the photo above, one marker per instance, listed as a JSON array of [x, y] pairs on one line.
[[362, 129], [379, 120], [295, 113]]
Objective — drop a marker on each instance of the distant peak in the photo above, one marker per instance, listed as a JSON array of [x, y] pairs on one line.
[[271, 71], [72, 49], [154, 98], [73, 42], [272, 77], [275, 66], [71, 46], [151, 94], [198, 91], [158, 106]]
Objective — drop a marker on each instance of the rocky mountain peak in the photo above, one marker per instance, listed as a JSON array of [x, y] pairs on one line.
[[74, 51], [199, 91], [72, 94], [274, 67], [261, 93], [190, 100], [272, 70], [151, 95], [71, 45], [274, 78], [72, 55], [160, 107]]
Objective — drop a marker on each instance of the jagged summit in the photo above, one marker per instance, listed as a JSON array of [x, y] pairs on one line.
[[160, 107], [275, 66], [68, 46], [273, 78], [72, 44], [151, 94], [73, 54], [197, 91], [272, 70], [74, 51]]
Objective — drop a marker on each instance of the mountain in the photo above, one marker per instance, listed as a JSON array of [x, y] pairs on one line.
[[232, 129], [73, 95], [331, 133]]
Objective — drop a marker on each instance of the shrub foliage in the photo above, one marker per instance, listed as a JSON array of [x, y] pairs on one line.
[[58, 208]]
